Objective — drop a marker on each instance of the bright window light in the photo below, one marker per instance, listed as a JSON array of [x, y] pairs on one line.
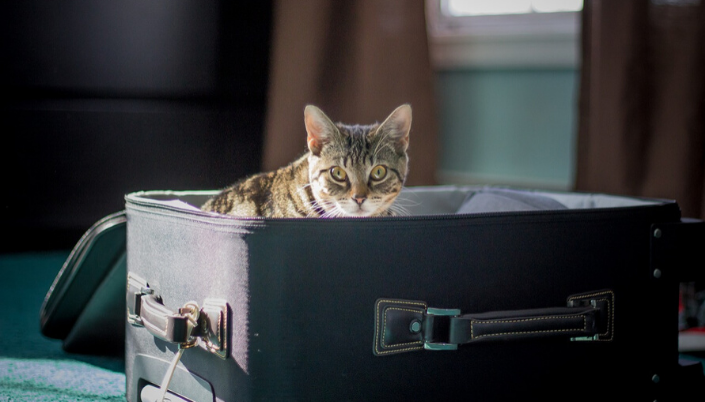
[[556, 6], [462, 8]]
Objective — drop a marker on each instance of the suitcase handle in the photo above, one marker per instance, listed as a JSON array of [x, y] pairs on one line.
[[187, 326], [409, 325]]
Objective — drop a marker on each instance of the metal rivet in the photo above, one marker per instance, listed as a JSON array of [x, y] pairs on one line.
[[657, 233], [657, 273], [415, 326], [655, 379]]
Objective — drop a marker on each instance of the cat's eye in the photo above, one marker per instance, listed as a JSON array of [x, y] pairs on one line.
[[338, 174], [378, 172]]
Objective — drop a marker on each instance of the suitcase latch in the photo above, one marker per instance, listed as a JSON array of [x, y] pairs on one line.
[[437, 328], [209, 330], [409, 325]]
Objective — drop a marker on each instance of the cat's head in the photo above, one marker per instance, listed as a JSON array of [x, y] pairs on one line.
[[357, 170]]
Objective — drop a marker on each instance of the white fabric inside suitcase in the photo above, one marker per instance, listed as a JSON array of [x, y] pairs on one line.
[[436, 200], [443, 200]]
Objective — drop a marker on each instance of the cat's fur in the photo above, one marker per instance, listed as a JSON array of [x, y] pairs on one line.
[[349, 171]]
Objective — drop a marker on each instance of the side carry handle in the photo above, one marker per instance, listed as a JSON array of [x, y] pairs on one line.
[[187, 327], [206, 326], [409, 325]]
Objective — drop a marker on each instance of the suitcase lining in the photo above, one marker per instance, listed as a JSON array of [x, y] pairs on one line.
[[442, 200]]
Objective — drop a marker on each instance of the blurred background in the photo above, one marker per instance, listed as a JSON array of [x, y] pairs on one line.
[[102, 98]]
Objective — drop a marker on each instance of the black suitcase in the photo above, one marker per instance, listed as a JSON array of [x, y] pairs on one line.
[[481, 294]]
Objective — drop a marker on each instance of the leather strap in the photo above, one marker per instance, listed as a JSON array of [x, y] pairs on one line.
[[165, 324], [404, 325], [507, 325]]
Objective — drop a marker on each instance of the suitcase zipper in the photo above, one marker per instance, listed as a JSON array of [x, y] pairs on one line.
[[563, 213]]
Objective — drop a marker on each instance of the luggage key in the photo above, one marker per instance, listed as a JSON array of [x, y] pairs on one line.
[[188, 326], [191, 311]]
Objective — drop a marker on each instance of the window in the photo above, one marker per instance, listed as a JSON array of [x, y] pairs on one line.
[[459, 8], [504, 33]]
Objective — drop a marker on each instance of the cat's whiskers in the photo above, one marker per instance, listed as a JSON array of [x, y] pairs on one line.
[[311, 210], [334, 212], [407, 202], [313, 207], [330, 209], [399, 210]]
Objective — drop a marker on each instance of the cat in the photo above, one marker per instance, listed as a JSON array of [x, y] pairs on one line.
[[348, 171]]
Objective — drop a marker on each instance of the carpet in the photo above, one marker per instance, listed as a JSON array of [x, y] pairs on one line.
[[36, 368]]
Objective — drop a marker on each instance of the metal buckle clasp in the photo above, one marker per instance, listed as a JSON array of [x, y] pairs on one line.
[[576, 303], [444, 312]]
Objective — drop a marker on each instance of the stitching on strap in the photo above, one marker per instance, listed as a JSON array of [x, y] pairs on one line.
[[385, 328], [473, 323], [377, 332], [610, 303]]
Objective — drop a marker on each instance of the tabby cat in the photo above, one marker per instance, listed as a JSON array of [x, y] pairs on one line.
[[348, 171]]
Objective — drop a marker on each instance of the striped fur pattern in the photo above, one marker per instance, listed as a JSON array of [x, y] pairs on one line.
[[348, 171]]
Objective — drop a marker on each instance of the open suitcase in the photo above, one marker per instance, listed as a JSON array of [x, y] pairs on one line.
[[481, 293]]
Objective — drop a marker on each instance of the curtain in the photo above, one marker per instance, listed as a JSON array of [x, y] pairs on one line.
[[357, 60], [642, 100]]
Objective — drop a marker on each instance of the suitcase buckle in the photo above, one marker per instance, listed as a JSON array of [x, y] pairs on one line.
[[435, 328], [185, 326], [603, 303]]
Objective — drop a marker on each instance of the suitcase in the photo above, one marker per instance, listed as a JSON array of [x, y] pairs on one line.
[[481, 293], [84, 306]]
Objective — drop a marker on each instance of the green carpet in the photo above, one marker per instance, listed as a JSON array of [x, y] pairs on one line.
[[33, 367]]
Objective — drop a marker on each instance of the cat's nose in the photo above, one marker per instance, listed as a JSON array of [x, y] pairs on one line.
[[359, 199]]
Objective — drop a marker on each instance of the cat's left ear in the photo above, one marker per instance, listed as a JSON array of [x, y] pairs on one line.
[[397, 126], [319, 127]]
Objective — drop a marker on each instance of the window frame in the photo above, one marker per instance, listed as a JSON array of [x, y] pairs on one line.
[[535, 40]]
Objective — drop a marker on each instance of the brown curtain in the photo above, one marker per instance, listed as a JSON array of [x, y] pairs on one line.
[[357, 60], [642, 100]]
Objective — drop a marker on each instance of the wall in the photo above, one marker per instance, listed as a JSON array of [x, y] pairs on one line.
[[507, 90], [508, 127], [102, 98]]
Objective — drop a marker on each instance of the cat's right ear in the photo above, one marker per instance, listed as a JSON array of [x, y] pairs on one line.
[[319, 128], [397, 127]]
